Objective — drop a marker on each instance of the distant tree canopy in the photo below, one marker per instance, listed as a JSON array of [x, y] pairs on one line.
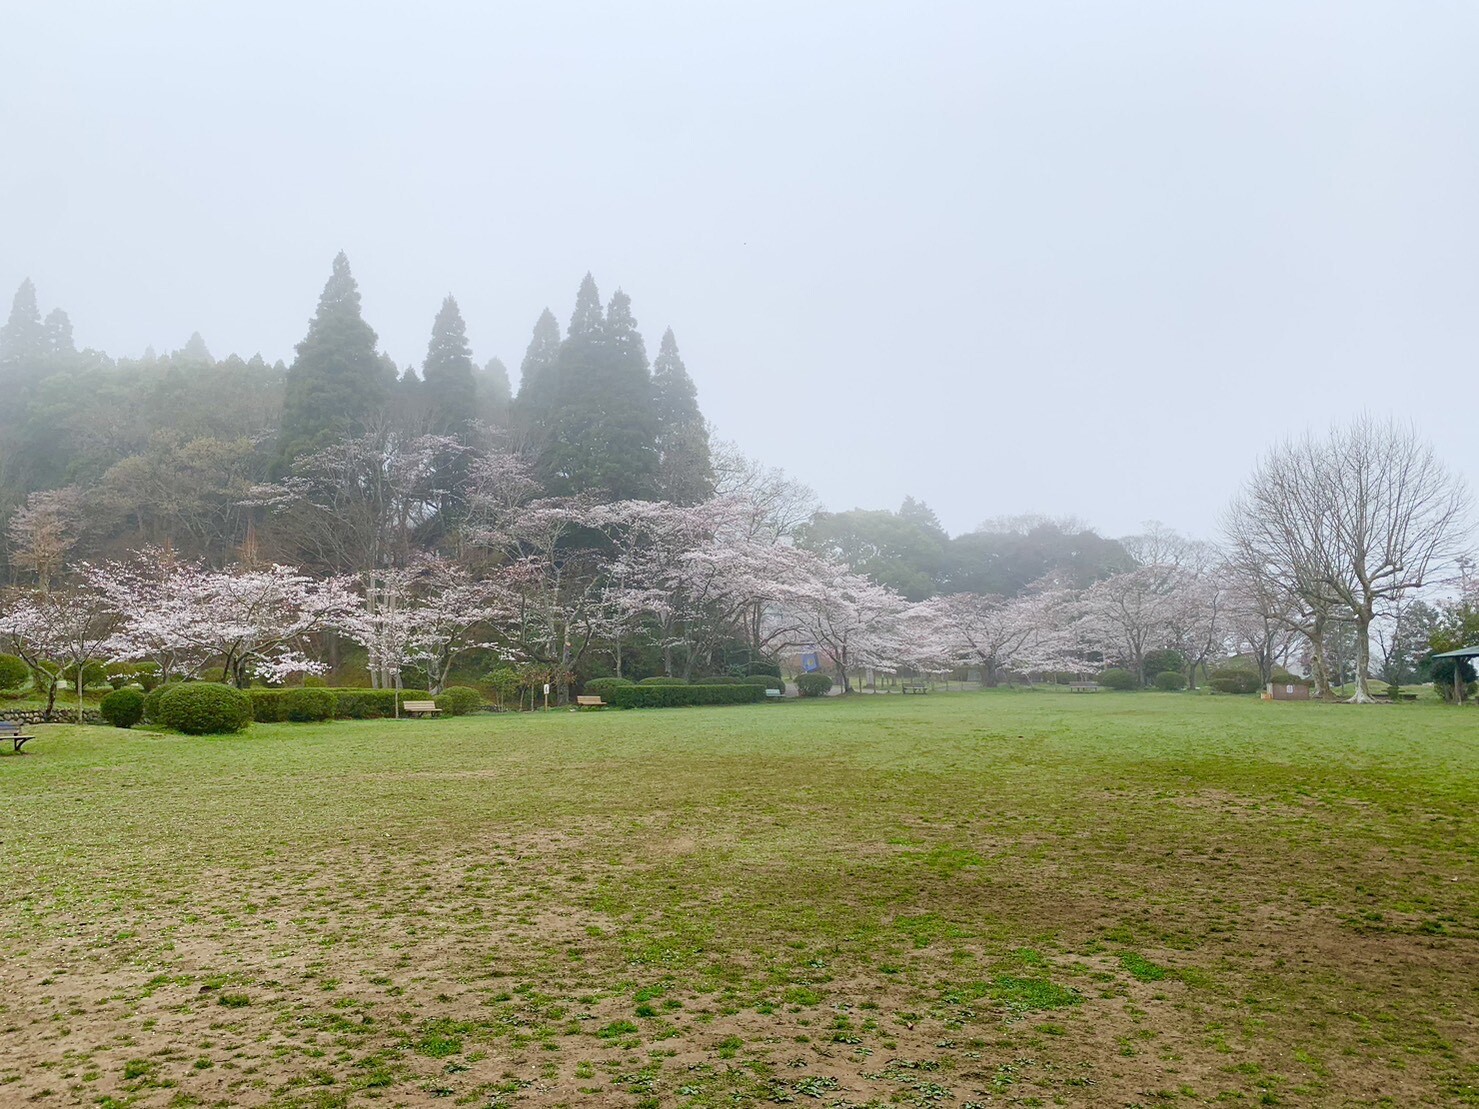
[[167, 450], [910, 552]]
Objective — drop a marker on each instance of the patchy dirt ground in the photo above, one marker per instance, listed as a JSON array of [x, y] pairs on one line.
[[647, 919]]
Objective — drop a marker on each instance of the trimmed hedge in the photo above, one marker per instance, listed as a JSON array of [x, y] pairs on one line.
[[602, 687], [675, 696], [205, 708], [658, 679], [152, 701], [459, 700], [1232, 680], [1117, 678], [123, 708], [1170, 681], [309, 705], [813, 685], [372, 704]]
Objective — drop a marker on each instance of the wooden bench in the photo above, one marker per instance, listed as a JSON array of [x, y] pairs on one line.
[[1083, 687], [12, 731], [914, 687], [589, 703], [420, 708]]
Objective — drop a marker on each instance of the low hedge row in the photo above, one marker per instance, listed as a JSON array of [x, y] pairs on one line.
[[277, 706], [675, 696]]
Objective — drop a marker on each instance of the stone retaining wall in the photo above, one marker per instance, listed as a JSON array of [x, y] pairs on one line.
[[56, 716]]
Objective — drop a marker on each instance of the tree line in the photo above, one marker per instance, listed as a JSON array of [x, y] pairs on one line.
[[195, 514]]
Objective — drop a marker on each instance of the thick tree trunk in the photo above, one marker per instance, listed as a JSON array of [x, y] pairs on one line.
[[1317, 661], [1363, 657]]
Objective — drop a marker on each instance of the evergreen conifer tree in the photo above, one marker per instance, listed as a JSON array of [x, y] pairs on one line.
[[685, 471], [494, 392], [23, 338], [58, 334], [448, 373], [195, 351], [337, 384], [600, 432]]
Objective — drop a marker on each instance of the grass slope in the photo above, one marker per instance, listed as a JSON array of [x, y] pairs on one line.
[[974, 899]]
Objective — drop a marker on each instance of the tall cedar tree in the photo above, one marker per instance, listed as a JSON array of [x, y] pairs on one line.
[[494, 393], [536, 399], [23, 338], [685, 471], [601, 435], [448, 374], [338, 384]]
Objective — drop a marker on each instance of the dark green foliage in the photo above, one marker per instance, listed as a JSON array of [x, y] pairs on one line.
[[337, 384], [94, 673], [14, 673], [459, 700], [769, 669], [900, 553], [373, 704], [267, 705], [305, 706], [764, 681], [152, 701], [589, 415], [1235, 679], [123, 708], [1280, 676], [602, 687], [1169, 681], [23, 338], [1158, 662], [205, 708], [447, 374], [1117, 678], [505, 683], [675, 696], [146, 674], [1007, 556], [685, 472], [814, 685], [1441, 671], [659, 679]]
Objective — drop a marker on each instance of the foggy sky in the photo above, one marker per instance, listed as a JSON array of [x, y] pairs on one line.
[[1082, 258]]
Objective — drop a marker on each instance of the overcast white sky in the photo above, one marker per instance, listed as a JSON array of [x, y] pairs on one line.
[[1078, 258]]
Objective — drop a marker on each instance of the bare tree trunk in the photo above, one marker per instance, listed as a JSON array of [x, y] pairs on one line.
[[1363, 656]]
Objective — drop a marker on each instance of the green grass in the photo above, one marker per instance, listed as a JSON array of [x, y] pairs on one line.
[[870, 900]]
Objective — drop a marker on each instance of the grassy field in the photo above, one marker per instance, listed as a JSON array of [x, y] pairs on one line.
[[969, 899]]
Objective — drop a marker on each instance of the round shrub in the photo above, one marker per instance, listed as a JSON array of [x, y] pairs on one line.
[[123, 708], [602, 687], [152, 700], [1170, 681], [14, 673], [1158, 662], [459, 700], [313, 681], [1117, 678], [814, 685], [763, 670], [658, 679], [205, 708], [1232, 679], [308, 705]]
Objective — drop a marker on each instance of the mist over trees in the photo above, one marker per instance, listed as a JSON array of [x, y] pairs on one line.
[[362, 518]]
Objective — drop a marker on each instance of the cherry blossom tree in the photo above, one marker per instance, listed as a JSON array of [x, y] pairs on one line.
[[55, 630], [43, 531]]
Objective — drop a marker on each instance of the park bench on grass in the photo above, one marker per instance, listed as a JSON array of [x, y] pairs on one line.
[[12, 731], [420, 708], [773, 692], [589, 703], [914, 687], [1084, 687]]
